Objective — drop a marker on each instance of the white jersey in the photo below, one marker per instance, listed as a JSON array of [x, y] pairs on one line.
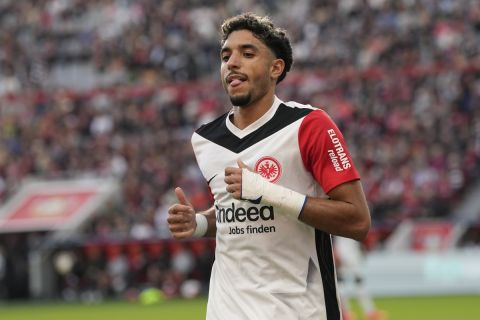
[[268, 265]]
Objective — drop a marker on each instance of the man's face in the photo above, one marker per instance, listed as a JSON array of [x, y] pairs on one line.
[[246, 68]]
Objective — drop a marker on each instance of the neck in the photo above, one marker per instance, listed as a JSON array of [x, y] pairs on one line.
[[245, 116]]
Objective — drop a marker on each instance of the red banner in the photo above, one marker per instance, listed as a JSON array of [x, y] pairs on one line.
[[51, 206]]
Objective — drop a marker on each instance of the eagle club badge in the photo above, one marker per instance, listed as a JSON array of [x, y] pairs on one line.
[[269, 168]]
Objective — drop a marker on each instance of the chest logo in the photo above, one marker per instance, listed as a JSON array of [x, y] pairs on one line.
[[269, 168]]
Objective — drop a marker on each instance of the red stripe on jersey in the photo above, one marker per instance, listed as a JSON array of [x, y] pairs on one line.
[[324, 152]]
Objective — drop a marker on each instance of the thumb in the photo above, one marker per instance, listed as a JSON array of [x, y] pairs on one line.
[[182, 198], [242, 165]]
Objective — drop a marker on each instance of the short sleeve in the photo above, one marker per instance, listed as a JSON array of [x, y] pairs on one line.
[[324, 152]]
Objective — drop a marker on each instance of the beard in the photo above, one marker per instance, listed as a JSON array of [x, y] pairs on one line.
[[241, 101]]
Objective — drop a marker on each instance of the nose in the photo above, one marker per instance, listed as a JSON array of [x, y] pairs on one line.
[[233, 61]]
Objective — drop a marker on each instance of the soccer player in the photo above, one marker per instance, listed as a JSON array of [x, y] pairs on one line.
[[350, 258], [282, 180]]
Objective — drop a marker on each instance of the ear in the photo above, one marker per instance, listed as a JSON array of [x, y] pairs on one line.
[[277, 68]]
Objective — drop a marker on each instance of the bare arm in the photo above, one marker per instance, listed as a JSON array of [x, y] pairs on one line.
[[345, 214], [181, 218]]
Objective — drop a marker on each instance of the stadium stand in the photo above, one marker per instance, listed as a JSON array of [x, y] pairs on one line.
[[115, 88]]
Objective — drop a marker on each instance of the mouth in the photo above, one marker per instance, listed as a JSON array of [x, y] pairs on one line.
[[236, 79]]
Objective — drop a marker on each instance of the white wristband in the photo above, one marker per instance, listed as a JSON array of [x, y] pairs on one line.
[[255, 187], [202, 225]]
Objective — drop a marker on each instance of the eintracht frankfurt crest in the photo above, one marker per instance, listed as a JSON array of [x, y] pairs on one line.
[[269, 168]]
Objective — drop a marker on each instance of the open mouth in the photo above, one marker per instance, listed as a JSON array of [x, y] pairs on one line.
[[234, 80]]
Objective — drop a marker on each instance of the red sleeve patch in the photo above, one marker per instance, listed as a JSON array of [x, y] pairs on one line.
[[324, 152]]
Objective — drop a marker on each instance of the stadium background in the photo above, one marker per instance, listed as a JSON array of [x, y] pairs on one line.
[[98, 100]]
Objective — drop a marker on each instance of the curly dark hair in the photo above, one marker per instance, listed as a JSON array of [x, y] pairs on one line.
[[262, 28]]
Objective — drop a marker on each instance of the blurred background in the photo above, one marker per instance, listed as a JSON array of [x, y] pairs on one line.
[[98, 100]]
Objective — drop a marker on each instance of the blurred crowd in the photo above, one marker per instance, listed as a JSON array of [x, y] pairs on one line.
[[115, 88], [127, 270]]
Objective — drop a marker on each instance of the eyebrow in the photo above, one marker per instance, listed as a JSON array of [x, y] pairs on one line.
[[242, 47]]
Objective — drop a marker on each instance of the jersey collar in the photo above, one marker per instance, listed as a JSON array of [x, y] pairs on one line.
[[240, 133]]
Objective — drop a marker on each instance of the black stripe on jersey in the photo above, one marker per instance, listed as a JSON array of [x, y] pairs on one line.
[[218, 133], [323, 242]]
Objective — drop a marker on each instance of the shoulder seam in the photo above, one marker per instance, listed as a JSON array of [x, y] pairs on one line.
[[294, 104]]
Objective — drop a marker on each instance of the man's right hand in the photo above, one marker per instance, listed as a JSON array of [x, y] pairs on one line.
[[181, 217]]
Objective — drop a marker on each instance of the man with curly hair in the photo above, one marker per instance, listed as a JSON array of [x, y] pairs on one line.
[[283, 182]]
